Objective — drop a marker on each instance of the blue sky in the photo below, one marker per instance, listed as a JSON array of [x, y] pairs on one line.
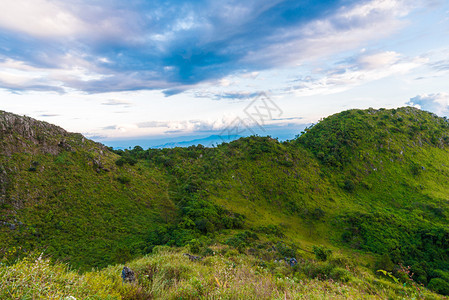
[[127, 71]]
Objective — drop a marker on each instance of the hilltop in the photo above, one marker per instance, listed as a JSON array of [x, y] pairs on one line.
[[370, 184]]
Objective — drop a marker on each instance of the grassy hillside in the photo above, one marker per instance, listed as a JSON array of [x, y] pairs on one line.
[[64, 194], [369, 184], [394, 164], [373, 181]]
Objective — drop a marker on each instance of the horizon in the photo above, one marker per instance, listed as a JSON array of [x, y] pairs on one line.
[[213, 139], [153, 73]]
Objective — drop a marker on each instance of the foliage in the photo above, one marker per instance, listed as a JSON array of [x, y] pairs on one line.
[[439, 286], [167, 274], [321, 253], [385, 263], [270, 230], [242, 240], [69, 200]]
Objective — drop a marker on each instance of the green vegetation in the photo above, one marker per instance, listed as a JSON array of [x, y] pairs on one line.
[[167, 274], [64, 194], [354, 199]]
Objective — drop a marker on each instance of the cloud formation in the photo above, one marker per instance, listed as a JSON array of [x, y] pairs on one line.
[[437, 103], [174, 45], [115, 102], [353, 72]]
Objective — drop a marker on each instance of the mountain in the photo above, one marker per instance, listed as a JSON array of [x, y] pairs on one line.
[[372, 184], [207, 141], [64, 194], [176, 141], [383, 167]]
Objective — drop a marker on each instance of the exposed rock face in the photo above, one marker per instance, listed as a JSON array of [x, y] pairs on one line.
[[25, 134], [26, 126], [20, 133], [3, 184]]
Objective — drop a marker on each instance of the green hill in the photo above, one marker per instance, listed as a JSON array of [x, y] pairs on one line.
[[370, 184], [64, 194]]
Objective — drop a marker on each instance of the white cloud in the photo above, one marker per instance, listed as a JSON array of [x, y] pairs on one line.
[[18, 75], [115, 102], [378, 60], [437, 103], [72, 22], [377, 6], [345, 30], [41, 18], [366, 68]]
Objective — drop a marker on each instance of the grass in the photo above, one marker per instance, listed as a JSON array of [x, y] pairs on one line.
[[167, 274]]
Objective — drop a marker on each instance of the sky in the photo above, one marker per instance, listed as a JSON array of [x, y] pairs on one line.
[[154, 72]]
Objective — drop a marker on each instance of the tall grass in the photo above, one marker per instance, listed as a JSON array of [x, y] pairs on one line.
[[167, 274]]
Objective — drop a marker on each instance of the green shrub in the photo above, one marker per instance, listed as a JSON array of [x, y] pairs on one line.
[[318, 270], [123, 179], [340, 274], [126, 160], [33, 167], [317, 214], [242, 240], [415, 169], [321, 253], [384, 263], [340, 261], [285, 250], [207, 252], [440, 274], [270, 229], [439, 286], [349, 185], [120, 162], [195, 246]]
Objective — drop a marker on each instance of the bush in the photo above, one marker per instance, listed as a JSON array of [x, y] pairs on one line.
[[440, 274], [340, 274], [340, 261], [439, 286], [207, 252], [385, 263], [415, 169], [321, 253], [285, 250], [120, 162], [123, 179], [317, 270], [126, 160], [270, 230], [33, 167], [349, 185], [242, 240], [317, 214], [195, 246]]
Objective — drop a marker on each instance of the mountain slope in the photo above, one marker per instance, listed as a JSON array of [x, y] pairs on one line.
[[395, 163], [65, 194], [373, 180], [368, 182]]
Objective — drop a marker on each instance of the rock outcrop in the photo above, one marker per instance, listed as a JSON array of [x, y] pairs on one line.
[[25, 134]]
